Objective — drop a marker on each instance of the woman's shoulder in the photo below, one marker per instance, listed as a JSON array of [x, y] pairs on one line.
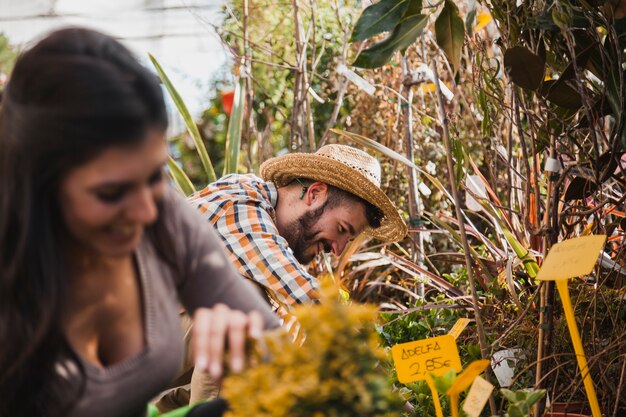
[[178, 214]]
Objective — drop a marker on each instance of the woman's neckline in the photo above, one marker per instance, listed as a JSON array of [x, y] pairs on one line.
[[123, 365]]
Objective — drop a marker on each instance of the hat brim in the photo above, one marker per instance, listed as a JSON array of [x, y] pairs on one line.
[[282, 170]]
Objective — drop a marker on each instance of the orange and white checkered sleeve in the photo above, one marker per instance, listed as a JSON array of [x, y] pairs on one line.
[[261, 254]]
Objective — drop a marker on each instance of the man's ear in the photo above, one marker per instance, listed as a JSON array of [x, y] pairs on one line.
[[316, 194]]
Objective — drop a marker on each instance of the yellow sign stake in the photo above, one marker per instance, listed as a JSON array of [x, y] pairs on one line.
[[569, 259], [458, 327], [433, 390]]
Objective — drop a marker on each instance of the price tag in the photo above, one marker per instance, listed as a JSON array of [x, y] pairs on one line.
[[477, 397], [415, 360], [458, 327], [572, 258]]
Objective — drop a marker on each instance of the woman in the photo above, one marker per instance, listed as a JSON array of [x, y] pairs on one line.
[[94, 247]]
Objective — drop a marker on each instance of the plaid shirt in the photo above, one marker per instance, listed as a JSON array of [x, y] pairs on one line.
[[242, 210]]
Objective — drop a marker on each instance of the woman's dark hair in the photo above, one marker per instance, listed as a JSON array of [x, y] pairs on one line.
[[72, 95]]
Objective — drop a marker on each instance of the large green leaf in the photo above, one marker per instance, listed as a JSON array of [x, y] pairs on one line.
[[415, 7], [180, 178], [377, 18], [403, 35], [525, 68], [192, 128], [561, 94], [450, 33], [233, 138]]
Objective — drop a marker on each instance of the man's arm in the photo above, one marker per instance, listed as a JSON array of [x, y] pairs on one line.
[[261, 254]]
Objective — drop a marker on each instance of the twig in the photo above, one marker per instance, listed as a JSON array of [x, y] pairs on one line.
[[466, 249], [343, 84], [619, 387], [416, 207], [496, 343]]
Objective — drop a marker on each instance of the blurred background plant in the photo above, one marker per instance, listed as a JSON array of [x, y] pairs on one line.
[[7, 59]]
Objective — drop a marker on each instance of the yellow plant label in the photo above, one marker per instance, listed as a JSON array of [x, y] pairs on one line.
[[482, 20], [477, 397], [465, 378], [571, 258], [415, 360], [458, 327]]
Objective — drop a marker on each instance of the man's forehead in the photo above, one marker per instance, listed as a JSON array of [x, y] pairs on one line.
[[352, 214]]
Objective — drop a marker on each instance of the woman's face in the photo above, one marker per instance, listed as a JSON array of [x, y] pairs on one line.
[[107, 202]]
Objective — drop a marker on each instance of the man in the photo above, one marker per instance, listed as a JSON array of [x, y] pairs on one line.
[[304, 205], [273, 226]]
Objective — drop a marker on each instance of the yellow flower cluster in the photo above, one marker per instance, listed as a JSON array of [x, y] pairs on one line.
[[336, 372]]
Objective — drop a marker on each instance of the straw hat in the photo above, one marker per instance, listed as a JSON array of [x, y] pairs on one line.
[[344, 167]]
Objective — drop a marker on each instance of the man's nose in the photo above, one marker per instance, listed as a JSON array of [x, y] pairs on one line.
[[143, 208], [339, 245]]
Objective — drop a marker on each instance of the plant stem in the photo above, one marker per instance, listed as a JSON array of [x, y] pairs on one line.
[[416, 206], [459, 215], [619, 387], [296, 139]]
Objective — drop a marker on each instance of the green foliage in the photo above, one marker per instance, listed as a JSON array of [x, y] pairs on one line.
[[525, 68], [189, 122], [180, 178], [450, 33], [417, 325], [404, 32], [445, 381], [377, 18], [272, 52], [403, 35], [520, 402], [153, 411], [8, 55]]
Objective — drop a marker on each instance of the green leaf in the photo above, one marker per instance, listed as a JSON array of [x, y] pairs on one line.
[[470, 19], [516, 410], [525, 68], [178, 412], [233, 138], [582, 59], [459, 157], [509, 395], [192, 128], [450, 33], [561, 94], [180, 178], [377, 18], [415, 7], [535, 396], [445, 381], [404, 34]]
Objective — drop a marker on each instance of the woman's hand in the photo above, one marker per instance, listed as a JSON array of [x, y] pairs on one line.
[[212, 327]]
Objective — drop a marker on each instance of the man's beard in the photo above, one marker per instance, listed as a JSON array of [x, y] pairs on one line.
[[301, 234]]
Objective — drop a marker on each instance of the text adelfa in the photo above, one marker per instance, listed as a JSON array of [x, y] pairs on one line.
[[419, 350]]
